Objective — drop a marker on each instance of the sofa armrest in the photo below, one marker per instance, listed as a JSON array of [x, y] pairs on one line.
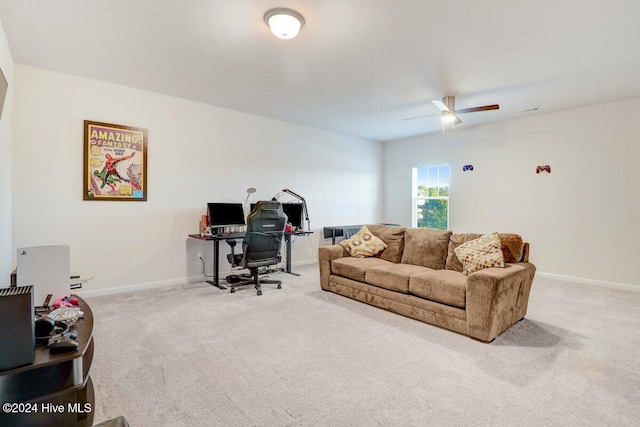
[[326, 254], [497, 298]]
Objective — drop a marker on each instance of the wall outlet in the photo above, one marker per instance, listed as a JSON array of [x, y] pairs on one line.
[[199, 256]]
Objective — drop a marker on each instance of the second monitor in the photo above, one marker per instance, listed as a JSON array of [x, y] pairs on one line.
[[293, 211], [225, 215]]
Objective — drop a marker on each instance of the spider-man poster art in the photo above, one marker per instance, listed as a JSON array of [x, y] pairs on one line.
[[115, 162]]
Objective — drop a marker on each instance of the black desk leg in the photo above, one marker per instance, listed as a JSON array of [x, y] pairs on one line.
[[287, 238], [216, 266]]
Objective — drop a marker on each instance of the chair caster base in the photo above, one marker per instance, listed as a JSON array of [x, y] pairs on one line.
[[253, 281]]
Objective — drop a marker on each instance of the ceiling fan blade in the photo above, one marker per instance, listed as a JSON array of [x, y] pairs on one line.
[[474, 109], [441, 105], [422, 117], [457, 121]]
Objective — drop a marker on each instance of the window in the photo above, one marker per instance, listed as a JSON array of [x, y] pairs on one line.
[[431, 196]]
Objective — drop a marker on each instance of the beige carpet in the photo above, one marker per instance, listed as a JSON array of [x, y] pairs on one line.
[[194, 355]]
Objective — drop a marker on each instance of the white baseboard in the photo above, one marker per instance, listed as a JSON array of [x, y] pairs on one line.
[[137, 287], [163, 283], [305, 262], [590, 282], [223, 273]]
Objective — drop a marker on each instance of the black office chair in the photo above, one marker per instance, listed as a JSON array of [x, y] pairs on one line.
[[261, 245]]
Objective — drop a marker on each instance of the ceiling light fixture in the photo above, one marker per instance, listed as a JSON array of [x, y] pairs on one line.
[[448, 117], [284, 23]]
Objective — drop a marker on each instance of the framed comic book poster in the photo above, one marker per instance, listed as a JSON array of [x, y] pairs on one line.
[[115, 162]]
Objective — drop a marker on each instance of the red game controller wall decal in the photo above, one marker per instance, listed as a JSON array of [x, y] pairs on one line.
[[545, 168]]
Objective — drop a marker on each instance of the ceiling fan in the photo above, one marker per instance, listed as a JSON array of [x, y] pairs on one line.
[[449, 112]]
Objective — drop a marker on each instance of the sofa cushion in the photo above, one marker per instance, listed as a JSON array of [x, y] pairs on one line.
[[453, 263], [363, 244], [394, 277], [445, 286], [483, 252], [426, 247], [393, 237], [354, 268]]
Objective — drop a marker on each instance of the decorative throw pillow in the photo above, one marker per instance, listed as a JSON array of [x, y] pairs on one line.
[[363, 244], [453, 263], [480, 253], [512, 246]]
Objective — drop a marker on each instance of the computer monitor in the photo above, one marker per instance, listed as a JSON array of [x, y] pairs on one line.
[[225, 214], [294, 213]]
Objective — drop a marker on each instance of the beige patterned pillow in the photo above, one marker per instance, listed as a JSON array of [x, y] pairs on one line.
[[480, 253], [363, 244]]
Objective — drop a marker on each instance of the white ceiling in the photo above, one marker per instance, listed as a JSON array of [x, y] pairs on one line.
[[359, 67]]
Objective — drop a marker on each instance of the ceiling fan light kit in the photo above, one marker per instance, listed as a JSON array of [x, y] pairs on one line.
[[284, 23], [448, 117], [449, 113]]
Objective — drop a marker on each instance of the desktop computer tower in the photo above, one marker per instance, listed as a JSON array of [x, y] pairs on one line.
[[17, 338]]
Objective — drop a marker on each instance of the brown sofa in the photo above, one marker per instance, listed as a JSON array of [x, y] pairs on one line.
[[418, 275]]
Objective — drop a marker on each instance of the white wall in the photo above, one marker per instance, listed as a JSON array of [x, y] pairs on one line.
[[197, 154], [6, 252], [581, 220]]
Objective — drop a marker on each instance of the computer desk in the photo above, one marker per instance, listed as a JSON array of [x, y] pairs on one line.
[[239, 236]]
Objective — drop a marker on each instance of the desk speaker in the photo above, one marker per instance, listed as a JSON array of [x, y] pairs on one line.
[[17, 339]]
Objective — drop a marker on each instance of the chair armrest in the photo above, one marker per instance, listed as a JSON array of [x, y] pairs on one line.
[[232, 258], [497, 298], [326, 254]]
